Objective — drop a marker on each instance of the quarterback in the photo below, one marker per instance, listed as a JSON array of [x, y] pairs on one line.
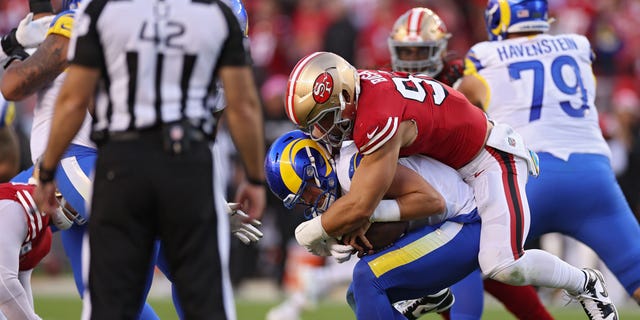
[[300, 171]]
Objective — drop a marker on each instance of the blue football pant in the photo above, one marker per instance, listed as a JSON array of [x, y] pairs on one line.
[[582, 199], [423, 262]]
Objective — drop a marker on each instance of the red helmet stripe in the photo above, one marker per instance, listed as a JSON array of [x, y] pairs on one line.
[[291, 86]]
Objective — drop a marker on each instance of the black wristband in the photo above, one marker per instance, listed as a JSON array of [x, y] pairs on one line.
[[40, 6], [46, 175], [10, 43], [256, 182], [17, 54]]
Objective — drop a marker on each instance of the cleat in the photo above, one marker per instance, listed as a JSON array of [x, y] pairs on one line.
[[595, 299], [438, 302]]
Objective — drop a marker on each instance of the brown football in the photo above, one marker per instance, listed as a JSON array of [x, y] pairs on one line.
[[383, 234]]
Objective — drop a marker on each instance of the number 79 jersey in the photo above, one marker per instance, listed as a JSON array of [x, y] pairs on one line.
[[450, 129], [544, 87]]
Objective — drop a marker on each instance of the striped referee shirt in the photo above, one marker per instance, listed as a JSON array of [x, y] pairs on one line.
[[158, 58]]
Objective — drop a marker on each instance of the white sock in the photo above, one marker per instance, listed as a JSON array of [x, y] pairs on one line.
[[540, 268]]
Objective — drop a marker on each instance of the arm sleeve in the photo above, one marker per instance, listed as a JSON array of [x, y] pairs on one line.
[[15, 302], [62, 24]]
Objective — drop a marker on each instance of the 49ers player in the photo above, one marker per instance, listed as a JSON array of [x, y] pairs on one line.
[[25, 238], [394, 114], [418, 44]]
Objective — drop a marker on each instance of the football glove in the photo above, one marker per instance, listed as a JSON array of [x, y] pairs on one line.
[[246, 232], [31, 33], [452, 70], [340, 252]]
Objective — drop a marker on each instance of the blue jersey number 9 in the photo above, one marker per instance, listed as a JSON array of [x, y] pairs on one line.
[[558, 79]]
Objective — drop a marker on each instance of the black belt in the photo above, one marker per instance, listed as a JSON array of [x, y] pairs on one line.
[[195, 134]]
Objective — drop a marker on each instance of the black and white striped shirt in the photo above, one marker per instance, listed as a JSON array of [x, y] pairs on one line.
[[158, 58]]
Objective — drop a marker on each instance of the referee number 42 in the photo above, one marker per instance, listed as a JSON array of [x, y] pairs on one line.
[[170, 36]]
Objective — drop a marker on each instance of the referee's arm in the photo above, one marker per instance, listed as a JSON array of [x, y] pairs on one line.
[[244, 116], [70, 111]]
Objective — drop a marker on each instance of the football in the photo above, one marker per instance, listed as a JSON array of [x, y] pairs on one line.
[[384, 234]]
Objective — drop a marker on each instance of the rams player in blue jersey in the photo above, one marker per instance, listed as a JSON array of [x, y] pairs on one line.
[[543, 86]]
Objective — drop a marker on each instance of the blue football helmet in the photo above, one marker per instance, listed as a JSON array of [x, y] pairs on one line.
[[512, 16], [241, 14], [294, 162], [70, 4]]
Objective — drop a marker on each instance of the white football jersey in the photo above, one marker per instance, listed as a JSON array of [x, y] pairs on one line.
[[544, 87], [457, 194], [43, 116]]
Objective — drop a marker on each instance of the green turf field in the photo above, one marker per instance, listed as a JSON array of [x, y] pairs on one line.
[[65, 308]]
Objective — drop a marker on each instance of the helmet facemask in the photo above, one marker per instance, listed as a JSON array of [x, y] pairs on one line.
[[330, 127], [421, 57], [418, 41], [64, 218], [326, 190]]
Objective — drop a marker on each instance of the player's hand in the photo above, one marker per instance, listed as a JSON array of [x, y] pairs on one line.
[[45, 197], [340, 252], [452, 70], [31, 33], [358, 240], [246, 232], [253, 199]]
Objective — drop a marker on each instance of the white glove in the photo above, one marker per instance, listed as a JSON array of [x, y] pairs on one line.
[[31, 32], [340, 252], [246, 232], [312, 236]]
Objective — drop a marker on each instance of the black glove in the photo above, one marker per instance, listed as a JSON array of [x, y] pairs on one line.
[[40, 6], [12, 47], [452, 70]]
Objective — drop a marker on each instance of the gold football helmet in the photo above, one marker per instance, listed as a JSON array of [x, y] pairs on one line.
[[321, 94], [417, 42]]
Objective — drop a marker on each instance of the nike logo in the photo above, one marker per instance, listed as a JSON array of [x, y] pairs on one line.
[[475, 175], [65, 27], [370, 134]]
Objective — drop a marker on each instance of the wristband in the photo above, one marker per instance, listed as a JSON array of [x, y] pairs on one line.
[[386, 211], [17, 54], [40, 6], [256, 182], [310, 232], [10, 43], [46, 175]]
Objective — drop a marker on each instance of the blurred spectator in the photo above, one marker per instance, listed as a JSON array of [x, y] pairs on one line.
[[341, 34], [626, 103]]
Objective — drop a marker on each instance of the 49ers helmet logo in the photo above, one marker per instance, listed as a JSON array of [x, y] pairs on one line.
[[322, 88]]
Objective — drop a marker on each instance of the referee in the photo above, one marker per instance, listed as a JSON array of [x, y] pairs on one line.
[[152, 65]]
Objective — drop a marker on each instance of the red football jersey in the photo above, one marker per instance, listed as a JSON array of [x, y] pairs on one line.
[[450, 128], [37, 242]]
